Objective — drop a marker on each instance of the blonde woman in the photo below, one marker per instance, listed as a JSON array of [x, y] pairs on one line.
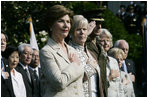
[[79, 34], [119, 55]]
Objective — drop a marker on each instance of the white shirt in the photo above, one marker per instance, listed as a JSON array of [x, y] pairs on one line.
[[37, 70], [18, 84], [124, 67]]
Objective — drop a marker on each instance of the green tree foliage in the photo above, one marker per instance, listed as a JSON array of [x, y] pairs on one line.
[[116, 27], [14, 15]]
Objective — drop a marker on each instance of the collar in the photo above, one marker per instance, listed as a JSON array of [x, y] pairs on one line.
[[76, 46], [24, 67], [33, 68], [54, 44]]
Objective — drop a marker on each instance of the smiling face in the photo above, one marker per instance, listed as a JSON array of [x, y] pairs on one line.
[[105, 42], [3, 42], [26, 56], [13, 59], [61, 27]]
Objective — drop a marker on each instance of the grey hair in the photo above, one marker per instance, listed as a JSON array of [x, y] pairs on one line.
[[78, 21], [108, 34], [116, 44], [22, 46]]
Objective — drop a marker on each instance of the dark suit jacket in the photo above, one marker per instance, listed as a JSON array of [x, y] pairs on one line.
[[9, 85], [6, 88], [130, 66], [102, 61], [131, 69], [28, 85], [6, 66], [36, 84], [6, 85]]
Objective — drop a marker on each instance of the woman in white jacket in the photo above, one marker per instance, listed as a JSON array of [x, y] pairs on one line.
[[118, 54], [115, 87]]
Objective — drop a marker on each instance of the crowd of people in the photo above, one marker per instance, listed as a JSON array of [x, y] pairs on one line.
[[88, 65], [132, 16]]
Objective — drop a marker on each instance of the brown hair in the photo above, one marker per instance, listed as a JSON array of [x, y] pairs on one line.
[[54, 13]]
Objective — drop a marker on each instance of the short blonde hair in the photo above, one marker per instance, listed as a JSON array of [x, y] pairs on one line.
[[115, 52], [78, 21]]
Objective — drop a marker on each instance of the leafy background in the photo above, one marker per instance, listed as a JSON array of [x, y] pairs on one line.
[[14, 15]]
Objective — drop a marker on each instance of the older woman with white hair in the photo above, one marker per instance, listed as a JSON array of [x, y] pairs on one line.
[[119, 55], [115, 88], [79, 33]]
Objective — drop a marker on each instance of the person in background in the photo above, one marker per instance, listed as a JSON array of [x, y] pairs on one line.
[[59, 61], [4, 62], [4, 67], [15, 81], [98, 52], [34, 65], [25, 55], [128, 65], [119, 55], [79, 33], [122, 13], [115, 88]]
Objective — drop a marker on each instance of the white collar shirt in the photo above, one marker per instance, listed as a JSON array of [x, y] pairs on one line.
[[18, 84]]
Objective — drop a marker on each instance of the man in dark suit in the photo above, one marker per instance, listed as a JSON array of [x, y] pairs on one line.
[[129, 68], [5, 92], [34, 65], [128, 65], [25, 54]]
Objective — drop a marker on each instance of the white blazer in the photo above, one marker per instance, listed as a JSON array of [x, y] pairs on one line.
[[115, 88], [61, 77]]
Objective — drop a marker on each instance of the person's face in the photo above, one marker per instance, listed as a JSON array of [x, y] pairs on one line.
[[124, 46], [26, 56], [105, 42], [13, 59], [122, 9], [97, 29], [80, 35], [35, 59], [61, 27], [3, 42], [120, 60]]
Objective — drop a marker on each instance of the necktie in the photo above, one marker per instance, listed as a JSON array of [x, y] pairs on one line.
[[28, 74], [124, 67], [35, 74], [37, 78]]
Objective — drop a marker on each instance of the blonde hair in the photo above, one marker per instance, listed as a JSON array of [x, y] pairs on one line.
[[115, 52], [78, 21]]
